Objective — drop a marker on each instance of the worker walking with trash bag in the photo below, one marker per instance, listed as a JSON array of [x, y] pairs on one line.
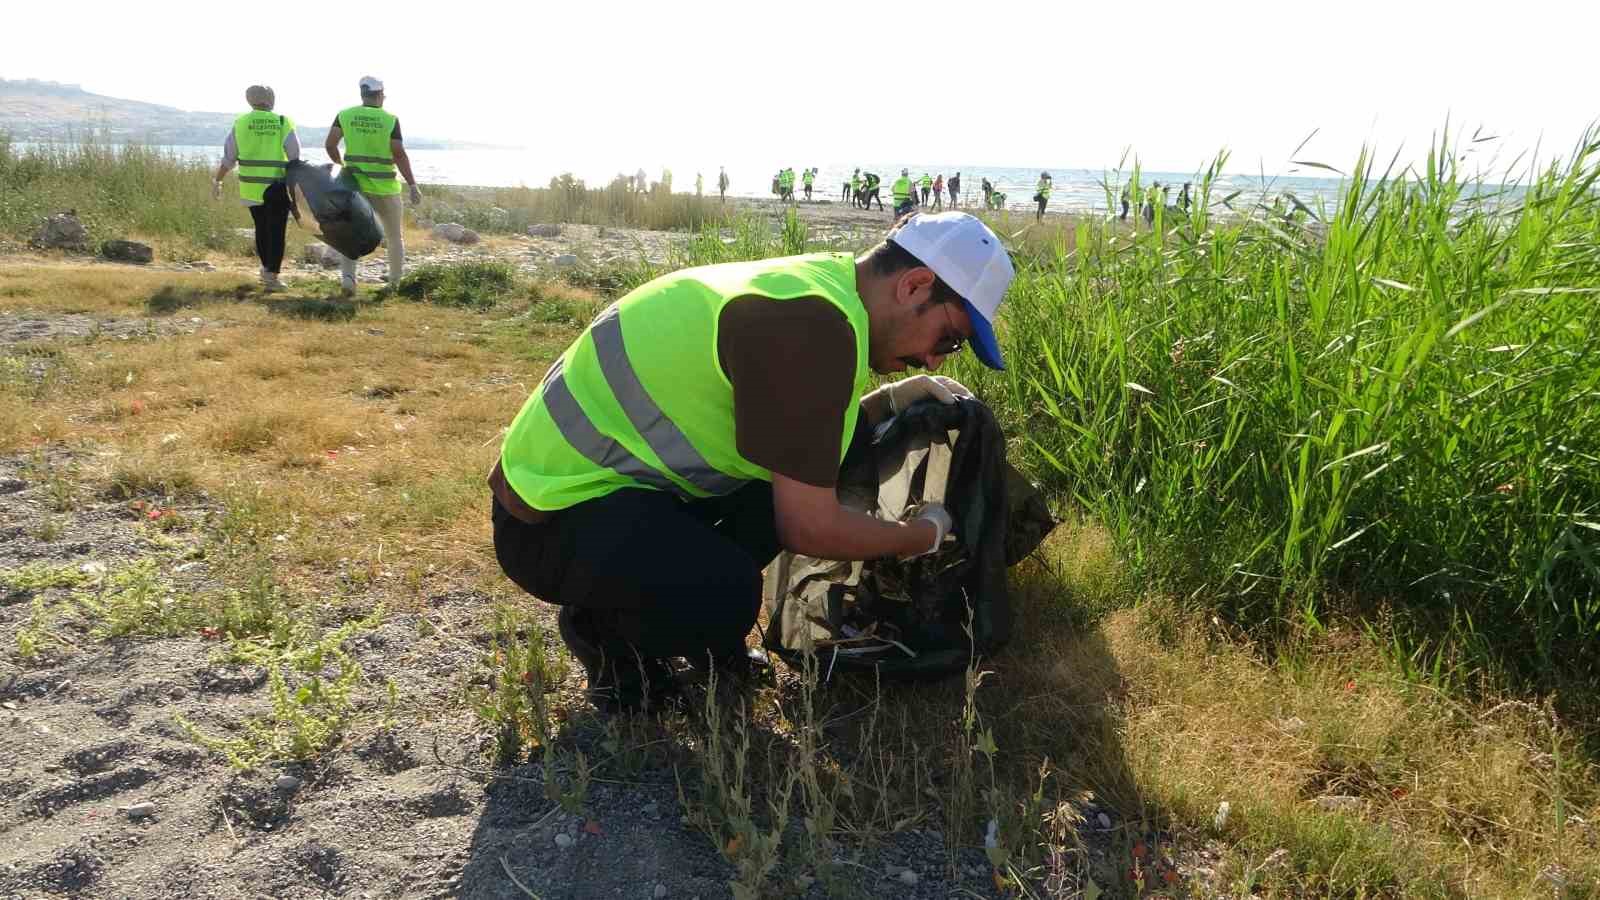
[[672, 450], [374, 151], [262, 143]]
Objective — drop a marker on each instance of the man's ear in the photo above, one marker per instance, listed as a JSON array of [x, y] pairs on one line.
[[914, 284]]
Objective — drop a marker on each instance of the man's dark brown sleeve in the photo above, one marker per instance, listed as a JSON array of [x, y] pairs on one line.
[[792, 364]]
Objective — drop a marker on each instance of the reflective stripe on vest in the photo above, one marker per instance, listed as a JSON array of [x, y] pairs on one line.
[[901, 188], [258, 138], [367, 133], [640, 399]]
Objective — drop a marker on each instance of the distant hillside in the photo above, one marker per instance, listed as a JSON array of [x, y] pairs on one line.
[[46, 110]]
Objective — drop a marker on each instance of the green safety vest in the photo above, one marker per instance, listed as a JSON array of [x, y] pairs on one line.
[[901, 189], [258, 136], [640, 399], [367, 131], [808, 176], [855, 182], [1044, 188], [927, 182]]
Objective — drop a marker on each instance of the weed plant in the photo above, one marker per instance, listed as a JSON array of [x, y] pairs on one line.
[[569, 199], [118, 191], [474, 285], [1392, 402]]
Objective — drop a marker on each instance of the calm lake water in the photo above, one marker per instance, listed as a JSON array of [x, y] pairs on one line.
[[1076, 189]]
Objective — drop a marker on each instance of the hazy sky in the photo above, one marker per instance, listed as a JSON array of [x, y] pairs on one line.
[[598, 86]]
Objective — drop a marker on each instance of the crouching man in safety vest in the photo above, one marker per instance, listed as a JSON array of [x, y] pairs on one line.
[[698, 425], [373, 151]]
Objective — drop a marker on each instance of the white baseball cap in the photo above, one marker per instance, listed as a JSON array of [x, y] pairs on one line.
[[969, 257], [371, 84]]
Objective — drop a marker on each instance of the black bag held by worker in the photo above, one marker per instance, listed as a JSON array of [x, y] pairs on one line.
[[345, 220], [909, 617]]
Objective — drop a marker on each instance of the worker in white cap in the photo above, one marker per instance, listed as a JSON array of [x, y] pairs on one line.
[[375, 154], [698, 425]]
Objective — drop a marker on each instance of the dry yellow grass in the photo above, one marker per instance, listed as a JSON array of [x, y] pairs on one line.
[[363, 444]]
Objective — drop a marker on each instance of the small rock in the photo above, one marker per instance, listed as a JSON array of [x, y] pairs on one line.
[[1220, 820], [563, 840], [8, 705], [547, 230], [1104, 820], [127, 251], [204, 266], [455, 233], [1338, 803], [62, 231], [318, 254], [660, 891], [287, 783], [141, 811], [565, 261], [908, 877], [93, 568], [1292, 725]]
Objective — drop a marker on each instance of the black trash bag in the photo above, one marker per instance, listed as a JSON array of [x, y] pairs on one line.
[[909, 618], [345, 220]]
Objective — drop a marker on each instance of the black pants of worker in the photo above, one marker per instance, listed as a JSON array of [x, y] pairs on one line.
[[272, 222], [871, 196], [1042, 203], [925, 196], [655, 574]]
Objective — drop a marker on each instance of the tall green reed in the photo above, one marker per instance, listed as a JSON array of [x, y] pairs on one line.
[[118, 191], [1395, 403]]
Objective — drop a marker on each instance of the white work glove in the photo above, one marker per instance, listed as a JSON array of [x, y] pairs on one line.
[[216, 189], [901, 394], [416, 195], [942, 523]]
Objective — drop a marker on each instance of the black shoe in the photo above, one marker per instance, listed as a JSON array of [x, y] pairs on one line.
[[744, 667], [619, 679]]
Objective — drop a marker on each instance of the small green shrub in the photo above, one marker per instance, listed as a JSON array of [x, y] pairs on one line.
[[474, 285]]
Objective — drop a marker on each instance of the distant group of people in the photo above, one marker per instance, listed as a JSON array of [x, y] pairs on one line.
[[262, 143], [783, 183], [1155, 198], [863, 189]]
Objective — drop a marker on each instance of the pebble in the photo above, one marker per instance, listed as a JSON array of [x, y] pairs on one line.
[[565, 260], [908, 877], [660, 891], [1220, 820], [1104, 820], [141, 810], [288, 783], [563, 840]]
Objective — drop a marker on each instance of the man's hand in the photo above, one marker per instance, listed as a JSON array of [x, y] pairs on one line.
[[416, 195], [939, 517], [216, 189], [810, 521], [893, 398]]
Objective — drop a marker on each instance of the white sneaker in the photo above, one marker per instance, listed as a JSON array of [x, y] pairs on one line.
[[347, 287], [270, 282]]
